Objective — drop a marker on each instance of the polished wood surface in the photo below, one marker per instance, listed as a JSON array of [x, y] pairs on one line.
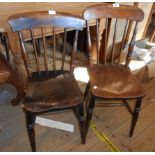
[[111, 79], [49, 88], [23, 21]]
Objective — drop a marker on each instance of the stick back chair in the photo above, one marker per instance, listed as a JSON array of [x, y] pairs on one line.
[[111, 79], [51, 87]]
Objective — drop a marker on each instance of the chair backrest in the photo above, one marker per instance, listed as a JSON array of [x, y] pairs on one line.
[[111, 11], [55, 21]]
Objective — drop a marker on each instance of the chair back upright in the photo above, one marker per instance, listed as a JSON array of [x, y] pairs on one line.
[[113, 12], [58, 22]]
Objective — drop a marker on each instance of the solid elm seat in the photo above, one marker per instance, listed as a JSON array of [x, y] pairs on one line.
[[64, 93], [110, 84]]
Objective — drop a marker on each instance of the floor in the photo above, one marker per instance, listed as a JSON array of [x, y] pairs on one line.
[[114, 122]]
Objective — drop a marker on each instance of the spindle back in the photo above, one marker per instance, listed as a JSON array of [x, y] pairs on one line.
[[113, 12], [42, 20]]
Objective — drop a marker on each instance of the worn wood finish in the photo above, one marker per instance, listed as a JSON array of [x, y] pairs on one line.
[[43, 18], [59, 89], [112, 80]]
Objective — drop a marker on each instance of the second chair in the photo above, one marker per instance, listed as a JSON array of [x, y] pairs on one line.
[[109, 78]]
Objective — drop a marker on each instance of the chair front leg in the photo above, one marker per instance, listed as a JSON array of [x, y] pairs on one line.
[[135, 115], [30, 122], [87, 95], [86, 90], [90, 111], [82, 123]]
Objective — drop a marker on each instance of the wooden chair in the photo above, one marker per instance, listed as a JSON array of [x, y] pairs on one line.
[[111, 79], [51, 87]]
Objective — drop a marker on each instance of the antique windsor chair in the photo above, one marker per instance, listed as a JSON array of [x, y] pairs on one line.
[[51, 85], [112, 79]]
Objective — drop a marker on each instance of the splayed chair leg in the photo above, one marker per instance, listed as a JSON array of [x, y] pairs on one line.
[[135, 115], [30, 122]]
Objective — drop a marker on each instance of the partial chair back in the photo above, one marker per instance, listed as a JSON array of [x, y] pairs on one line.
[[57, 22], [111, 11]]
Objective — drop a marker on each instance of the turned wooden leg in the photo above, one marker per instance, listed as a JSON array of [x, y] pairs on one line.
[[82, 124], [90, 111], [86, 90], [135, 115], [30, 122], [79, 113], [86, 95]]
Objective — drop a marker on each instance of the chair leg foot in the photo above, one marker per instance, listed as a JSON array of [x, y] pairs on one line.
[[30, 122], [90, 112], [135, 115]]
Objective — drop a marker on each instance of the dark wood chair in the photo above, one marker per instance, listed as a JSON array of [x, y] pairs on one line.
[[51, 87], [111, 79]]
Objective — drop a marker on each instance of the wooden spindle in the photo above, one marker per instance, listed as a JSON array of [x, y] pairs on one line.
[[97, 40], [114, 41], [129, 27], [89, 48], [64, 49], [45, 49], [131, 45], [102, 41], [106, 40], [35, 50], [24, 54], [123, 41], [54, 61], [74, 50]]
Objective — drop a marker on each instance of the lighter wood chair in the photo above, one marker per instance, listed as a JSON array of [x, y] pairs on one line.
[[51, 87], [111, 79]]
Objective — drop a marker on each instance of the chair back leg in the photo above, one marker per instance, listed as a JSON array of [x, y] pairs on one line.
[[135, 115]]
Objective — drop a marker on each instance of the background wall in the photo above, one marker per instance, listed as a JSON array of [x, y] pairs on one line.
[[146, 7]]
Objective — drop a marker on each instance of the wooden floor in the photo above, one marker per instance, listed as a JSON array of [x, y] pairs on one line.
[[112, 121]]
